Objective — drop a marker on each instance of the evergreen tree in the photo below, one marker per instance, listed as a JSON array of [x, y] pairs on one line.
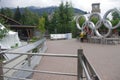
[[45, 15], [17, 14], [74, 30], [2, 11], [62, 18], [29, 18], [7, 12], [67, 17], [53, 27], [41, 25]]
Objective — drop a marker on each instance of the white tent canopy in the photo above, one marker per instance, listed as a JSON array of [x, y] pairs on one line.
[[11, 39]]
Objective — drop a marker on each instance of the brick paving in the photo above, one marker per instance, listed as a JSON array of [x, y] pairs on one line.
[[104, 58]]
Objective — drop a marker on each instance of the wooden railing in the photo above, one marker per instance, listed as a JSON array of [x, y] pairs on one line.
[[84, 70]]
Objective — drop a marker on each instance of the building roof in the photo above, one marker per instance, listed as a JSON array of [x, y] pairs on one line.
[[10, 20], [22, 26]]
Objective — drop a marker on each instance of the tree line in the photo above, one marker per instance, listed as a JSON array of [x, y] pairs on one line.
[[26, 17], [60, 21]]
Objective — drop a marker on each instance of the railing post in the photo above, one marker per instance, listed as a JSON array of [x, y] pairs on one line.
[[1, 66], [1, 71], [79, 67], [29, 60]]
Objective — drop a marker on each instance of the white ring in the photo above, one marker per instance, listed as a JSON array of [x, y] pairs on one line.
[[95, 27], [77, 21], [108, 12]]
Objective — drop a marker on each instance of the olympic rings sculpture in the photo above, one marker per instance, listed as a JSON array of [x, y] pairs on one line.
[[95, 27]]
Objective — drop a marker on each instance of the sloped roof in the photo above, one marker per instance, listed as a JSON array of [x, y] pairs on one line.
[[10, 20]]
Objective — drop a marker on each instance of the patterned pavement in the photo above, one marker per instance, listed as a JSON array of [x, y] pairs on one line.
[[104, 58]]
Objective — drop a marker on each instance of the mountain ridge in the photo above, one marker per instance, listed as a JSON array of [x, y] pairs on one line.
[[49, 10]]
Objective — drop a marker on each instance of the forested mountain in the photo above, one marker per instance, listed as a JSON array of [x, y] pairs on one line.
[[43, 18], [48, 10]]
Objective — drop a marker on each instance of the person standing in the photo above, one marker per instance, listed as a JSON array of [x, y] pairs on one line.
[[82, 36]]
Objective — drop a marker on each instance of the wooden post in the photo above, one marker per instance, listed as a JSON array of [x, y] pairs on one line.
[[1, 68], [79, 67]]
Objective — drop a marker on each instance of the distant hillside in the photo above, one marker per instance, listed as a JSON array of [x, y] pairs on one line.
[[49, 10]]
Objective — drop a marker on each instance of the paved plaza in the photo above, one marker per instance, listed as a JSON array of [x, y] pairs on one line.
[[104, 58]]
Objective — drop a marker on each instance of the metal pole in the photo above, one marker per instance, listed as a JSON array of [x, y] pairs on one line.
[[44, 72], [1, 71], [79, 67], [29, 60], [86, 72], [1, 68]]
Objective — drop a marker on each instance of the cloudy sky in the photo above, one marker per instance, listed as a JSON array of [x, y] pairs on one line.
[[81, 4]]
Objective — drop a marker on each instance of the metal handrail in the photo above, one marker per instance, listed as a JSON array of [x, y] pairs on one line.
[[84, 68], [40, 45], [88, 69], [45, 72], [46, 54]]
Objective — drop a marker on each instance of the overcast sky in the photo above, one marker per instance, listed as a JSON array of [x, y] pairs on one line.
[[81, 4]]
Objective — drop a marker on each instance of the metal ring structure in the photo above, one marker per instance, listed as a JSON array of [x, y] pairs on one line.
[[96, 26], [108, 12], [77, 22], [95, 14]]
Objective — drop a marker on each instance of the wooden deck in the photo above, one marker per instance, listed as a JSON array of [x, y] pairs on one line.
[[104, 58]]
